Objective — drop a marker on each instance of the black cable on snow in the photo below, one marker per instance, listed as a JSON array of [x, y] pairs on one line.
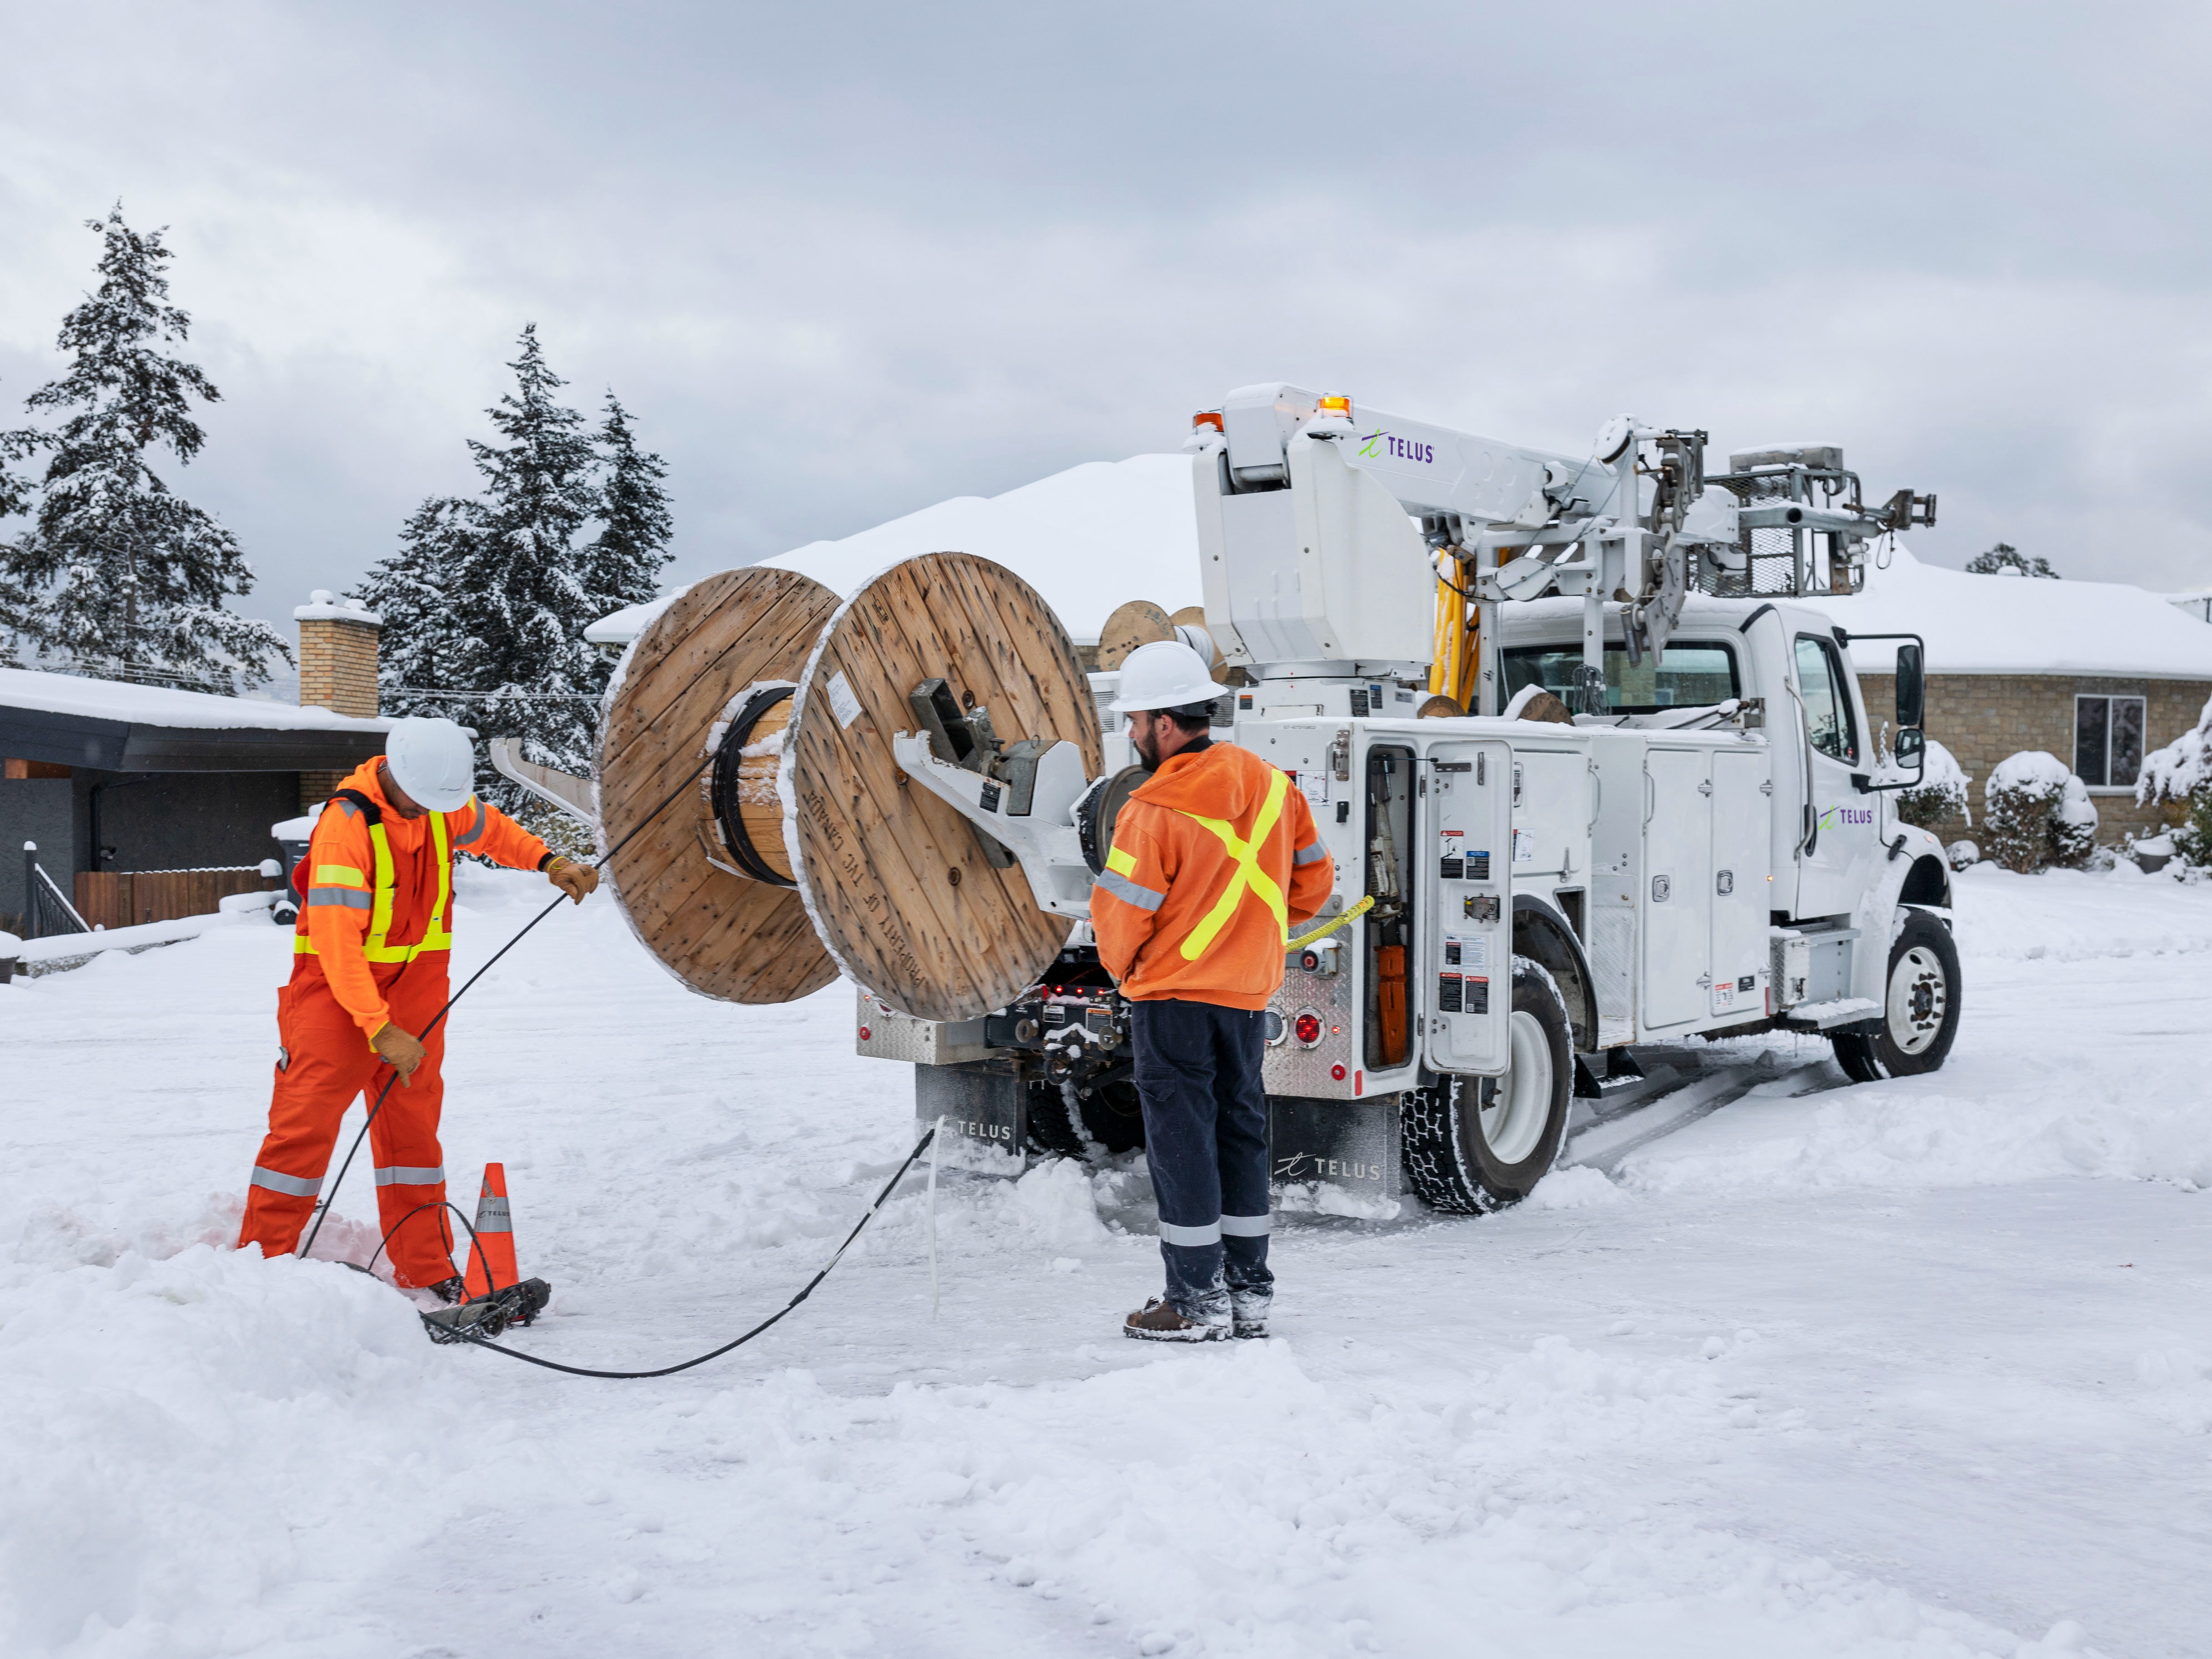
[[920, 1147]]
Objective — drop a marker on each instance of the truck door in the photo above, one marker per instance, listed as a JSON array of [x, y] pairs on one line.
[[1678, 883], [1741, 836], [1465, 879], [1833, 867]]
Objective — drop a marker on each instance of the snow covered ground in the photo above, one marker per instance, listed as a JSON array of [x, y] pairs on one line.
[[1922, 1368]]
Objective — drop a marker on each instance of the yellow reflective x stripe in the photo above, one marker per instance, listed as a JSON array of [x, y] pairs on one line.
[[339, 875], [1249, 872]]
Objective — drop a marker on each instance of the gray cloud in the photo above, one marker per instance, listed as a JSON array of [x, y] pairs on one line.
[[844, 262]]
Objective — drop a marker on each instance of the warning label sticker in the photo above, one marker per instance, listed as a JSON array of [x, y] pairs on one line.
[[842, 703]]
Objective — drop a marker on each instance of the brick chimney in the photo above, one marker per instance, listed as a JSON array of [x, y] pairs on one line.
[[338, 670]]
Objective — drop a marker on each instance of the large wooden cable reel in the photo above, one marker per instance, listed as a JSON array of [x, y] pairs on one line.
[[1140, 621], [708, 893], [900, 887]]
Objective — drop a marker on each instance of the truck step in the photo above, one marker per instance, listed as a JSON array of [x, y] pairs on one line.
[[1827, 1016]]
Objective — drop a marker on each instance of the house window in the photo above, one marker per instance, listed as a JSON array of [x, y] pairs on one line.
[[2108, 741]]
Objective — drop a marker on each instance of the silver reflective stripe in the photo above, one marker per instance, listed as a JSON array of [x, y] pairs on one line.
[[1129, 893], [492, 1215], [1171, 1234], [347, 898], [475, 830], [1313, 855], [349, 809], [1245, 1226], [291, 1186], [401, 1176]]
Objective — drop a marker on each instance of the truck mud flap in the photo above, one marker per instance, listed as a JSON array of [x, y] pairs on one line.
[[1351, 1144], [984, 1104]]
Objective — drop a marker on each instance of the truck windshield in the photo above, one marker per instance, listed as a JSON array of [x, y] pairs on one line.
[[1688, 676]]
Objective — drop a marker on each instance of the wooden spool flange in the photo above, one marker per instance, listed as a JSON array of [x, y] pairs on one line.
[[720, 931], [899, 884]]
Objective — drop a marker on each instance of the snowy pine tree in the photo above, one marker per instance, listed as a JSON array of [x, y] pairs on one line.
[[118, 575], [425, 648], [14, 597], [486, 602], [2005, 559], [626, 558]]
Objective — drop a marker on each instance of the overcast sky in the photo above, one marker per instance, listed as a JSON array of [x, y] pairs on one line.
[[843, 262]]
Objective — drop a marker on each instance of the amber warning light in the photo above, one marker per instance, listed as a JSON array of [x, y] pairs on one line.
[[1207, 417]]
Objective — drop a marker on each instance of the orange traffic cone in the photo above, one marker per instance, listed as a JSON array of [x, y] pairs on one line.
[[495, 1240]]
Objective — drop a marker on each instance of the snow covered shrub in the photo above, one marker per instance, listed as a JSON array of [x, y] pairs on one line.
[[2035, 812], [1941, 793], [1963, 854], [2182, 772]]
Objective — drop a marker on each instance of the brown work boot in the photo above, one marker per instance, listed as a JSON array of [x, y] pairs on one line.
[[1157, 1321]]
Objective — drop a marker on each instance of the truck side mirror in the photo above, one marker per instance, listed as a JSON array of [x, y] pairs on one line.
[[1911, 688], [1909, 751]]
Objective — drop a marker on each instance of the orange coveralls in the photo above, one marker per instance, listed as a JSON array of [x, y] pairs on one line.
[[372, 948]]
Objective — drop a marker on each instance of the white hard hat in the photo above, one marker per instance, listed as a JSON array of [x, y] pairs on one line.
[[434, 761], [1166, 674]]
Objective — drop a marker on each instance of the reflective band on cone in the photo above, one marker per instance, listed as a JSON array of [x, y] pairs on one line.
[[494, 1241]]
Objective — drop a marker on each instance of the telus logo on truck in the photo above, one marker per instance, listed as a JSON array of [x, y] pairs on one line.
[[1378, 443]]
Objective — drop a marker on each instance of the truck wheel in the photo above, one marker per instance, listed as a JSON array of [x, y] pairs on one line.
[[1920, 1011], [1475, 1144]]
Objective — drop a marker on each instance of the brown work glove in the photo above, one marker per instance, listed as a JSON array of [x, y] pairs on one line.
[[400, 1051], [573, 878]]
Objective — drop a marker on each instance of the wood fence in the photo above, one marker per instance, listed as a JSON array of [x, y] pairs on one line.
[[124, 898]]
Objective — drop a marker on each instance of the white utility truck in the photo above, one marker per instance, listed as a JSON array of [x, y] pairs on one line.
[[1698, 840]]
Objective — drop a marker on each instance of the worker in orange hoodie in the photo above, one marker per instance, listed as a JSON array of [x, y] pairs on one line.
[[1212, 860], [368, 976]]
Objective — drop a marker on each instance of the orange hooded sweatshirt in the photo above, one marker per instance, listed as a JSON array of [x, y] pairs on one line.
[[339, 878], [1213, 860]]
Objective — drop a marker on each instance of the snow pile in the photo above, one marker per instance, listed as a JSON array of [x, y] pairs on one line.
[[205, 1426], [1088, 539]]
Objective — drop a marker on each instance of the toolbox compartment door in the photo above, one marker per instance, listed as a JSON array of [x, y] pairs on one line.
[[1678, 886], [1463, 881]]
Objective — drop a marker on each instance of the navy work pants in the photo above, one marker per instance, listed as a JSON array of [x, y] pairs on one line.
[[1205, 1141]]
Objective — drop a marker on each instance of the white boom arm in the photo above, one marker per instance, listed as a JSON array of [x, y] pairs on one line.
[[1311, 566]]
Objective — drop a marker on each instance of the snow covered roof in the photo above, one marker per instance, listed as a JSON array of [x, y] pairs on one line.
[[154, 705], [2014, 624], [109, 726], [1088, 539]]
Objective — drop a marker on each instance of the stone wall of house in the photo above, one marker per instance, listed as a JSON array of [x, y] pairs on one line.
[[1984, 718]]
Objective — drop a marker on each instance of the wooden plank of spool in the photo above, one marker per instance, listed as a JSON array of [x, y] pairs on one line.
[[722, 933], [897, 881]]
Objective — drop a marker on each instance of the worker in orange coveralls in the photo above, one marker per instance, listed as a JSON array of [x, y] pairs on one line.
[[369, 975]]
